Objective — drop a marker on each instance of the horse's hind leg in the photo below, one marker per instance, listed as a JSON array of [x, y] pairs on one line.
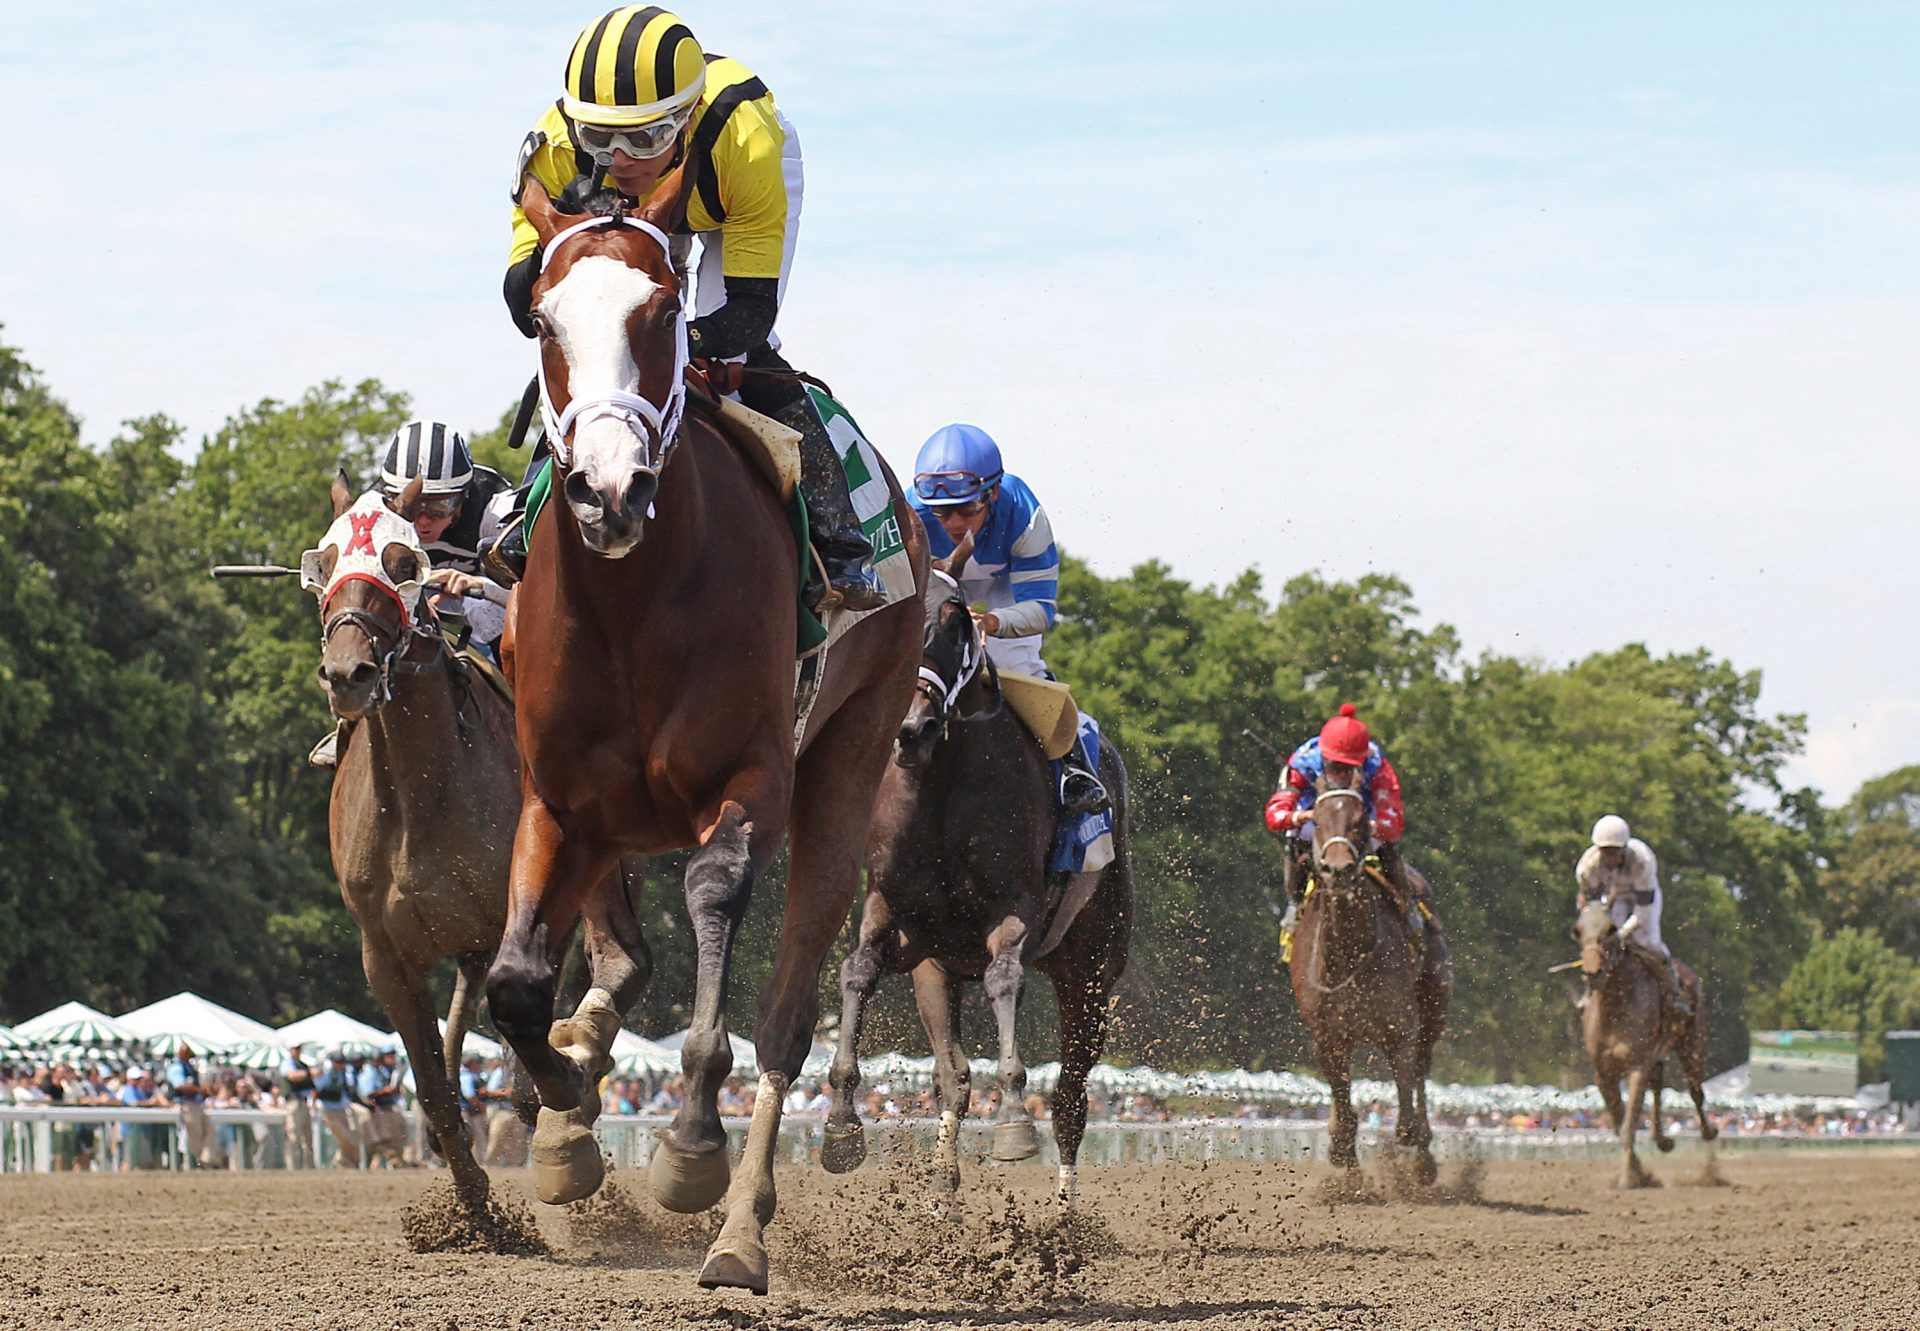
[[1014, 1137], [1692, 1057], [1082, 999], [409, 1006], [1657, 1087], [832, 812], [936, 994], [845, 1142], [689, 1169]]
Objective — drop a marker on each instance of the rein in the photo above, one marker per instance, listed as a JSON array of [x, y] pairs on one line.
[[657, 425]]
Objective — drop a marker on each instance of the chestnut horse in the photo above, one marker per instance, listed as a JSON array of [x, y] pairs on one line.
[[425, 783], [653, 643], [1629, 1035], [1358, 980], [960, 890]]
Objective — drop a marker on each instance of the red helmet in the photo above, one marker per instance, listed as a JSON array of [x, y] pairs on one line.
[[1344, 739]]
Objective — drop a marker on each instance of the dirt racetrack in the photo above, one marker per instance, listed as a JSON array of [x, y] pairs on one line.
[[1782, 1240]]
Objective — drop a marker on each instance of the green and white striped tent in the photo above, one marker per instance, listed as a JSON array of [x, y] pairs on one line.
[[74, 1026]]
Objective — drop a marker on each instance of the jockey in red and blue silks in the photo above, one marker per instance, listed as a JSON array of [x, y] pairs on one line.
[[1342, 743]]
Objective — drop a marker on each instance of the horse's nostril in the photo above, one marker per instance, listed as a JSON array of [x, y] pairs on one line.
[[579, 492], [640, 491]]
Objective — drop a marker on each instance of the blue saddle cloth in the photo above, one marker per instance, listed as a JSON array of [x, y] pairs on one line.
[[1073, 837]]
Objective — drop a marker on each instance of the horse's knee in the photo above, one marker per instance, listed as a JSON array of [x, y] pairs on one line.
[[1004, 978], [521, 1000], [860, 972]]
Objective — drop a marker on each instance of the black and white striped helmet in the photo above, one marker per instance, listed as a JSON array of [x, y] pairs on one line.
[[434, 452]]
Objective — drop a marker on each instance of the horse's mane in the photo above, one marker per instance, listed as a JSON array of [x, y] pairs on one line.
[[580, 196]]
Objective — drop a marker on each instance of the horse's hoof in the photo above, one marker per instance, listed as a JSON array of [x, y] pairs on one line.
[[1665, 1144], [843, 1150], [1015, 1140], [735, 1261], [566, 1159], [1708, 1132], [1425, 1170], [689, 1183]]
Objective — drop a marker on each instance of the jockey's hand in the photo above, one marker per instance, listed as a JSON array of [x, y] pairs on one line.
[[988, 623], [452, 582]]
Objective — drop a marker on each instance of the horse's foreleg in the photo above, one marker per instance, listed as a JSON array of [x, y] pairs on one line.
[[936, 995], [408, 1003], [845, 1143], [1005, 978], [1334, 1058], [620, 966], [1082, 1001], [1632, 1175], [550, 873], [689, 1168]]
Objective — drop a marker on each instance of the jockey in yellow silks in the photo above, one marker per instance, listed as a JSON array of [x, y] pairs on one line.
[[641, 98]]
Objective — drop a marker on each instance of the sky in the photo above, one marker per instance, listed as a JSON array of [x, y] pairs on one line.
[[1592, 321]]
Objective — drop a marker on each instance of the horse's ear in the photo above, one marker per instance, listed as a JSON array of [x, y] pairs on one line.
[[540, 211], [408, 504], [342, 492], [666, 208]]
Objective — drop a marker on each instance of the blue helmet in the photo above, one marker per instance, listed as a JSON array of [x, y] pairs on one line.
[[957, 464]]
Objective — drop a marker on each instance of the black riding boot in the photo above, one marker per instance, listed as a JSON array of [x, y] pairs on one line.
[[1293, 867], [504, 557], [1395, 868], [1676, 991], [1081, 791], [843, 547]]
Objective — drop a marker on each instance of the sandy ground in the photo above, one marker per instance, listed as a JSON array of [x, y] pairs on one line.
[[1780, 1240]]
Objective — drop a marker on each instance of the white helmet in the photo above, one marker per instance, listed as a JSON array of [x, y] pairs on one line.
[[434, 452], [1611, 831]]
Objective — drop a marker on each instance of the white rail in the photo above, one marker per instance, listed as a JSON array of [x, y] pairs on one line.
[[32, 1139]]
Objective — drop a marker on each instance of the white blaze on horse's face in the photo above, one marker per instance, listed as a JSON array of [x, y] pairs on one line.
[[590, 310]]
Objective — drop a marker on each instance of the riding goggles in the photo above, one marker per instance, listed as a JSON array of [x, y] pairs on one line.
[[434, 507], [637, 141], [952, 487]]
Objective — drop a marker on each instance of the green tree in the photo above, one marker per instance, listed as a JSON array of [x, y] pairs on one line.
[[1851, 980], [1872, 878]]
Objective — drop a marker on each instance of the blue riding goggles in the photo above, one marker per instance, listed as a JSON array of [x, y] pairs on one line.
[[952, 487]]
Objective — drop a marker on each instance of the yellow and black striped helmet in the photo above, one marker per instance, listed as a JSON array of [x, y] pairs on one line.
[[634, 66]]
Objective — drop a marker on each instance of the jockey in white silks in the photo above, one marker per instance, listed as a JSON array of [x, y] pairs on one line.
[[1620, 870]]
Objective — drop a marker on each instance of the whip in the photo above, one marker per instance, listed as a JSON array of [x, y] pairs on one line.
[[254, 571]]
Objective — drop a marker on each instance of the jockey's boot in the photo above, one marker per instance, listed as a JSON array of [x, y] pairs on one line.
[[504, 557], [1676, 991], [1290, 871], [843, 547], [327, 752], [1395, 868], [1080, 790]]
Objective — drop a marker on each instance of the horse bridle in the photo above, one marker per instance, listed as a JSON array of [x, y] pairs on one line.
[[398, 638], [946, 697], [1321, 797], [657, 425]]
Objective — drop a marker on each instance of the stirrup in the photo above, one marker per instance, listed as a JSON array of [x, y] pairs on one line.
[[326, 754], [1093, 797], [854, 586], [506, 564]]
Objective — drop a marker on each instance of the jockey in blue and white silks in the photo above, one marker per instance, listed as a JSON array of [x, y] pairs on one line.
[[962, 491]]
